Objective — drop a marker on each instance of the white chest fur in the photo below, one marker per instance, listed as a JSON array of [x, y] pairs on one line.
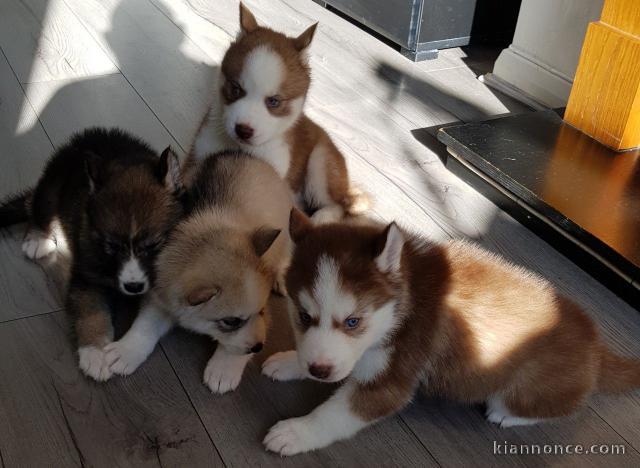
[[373, 362]]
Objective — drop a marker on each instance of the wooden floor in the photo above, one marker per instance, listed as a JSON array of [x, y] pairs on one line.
[[146, 65]]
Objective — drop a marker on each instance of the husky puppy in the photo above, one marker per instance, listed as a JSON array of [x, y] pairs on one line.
[[258, 107], [217, 270], [108, 199], [387, 311]]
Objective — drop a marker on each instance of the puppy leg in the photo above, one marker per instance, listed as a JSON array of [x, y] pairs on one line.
[[93, 329], [340, 417], [125, 355], [224, 370], [326, 185], [283, 366], [328, 214]]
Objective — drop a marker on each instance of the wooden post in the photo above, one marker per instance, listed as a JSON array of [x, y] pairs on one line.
[[605, 97]]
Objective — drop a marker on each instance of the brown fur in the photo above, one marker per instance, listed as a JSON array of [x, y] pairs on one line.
[[304, 135], [470, 326]]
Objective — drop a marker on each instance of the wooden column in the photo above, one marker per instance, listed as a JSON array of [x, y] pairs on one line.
[[605, 97]]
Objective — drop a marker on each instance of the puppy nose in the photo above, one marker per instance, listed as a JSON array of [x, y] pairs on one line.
[[134, 287], [320, 371], [256, 348], [243, 131]]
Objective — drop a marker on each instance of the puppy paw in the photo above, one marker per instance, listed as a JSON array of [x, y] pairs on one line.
[[93, 363], [36, 245], [124, 357], [290, 437], [283, 366], [224, 371], [327, 214]]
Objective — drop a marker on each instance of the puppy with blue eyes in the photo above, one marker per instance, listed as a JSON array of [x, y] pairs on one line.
[[216, 273], [108, 201], [258, 107], [388, 312]]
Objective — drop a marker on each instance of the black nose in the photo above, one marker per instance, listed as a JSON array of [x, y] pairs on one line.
[[256, 348], [243, 131], [134, 288], [320, 371]]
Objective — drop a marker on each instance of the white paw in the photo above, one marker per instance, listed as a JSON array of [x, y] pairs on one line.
[[498, 413], [224, 371], [124, 356], [36, 245], [93, 363], [328, 214], [289, 437], [283, 366]]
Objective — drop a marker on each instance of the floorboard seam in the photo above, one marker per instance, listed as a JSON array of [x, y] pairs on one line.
[[108, 53], [613, 429], [418, 205], [184, 389], [66, 421], [75, 78], [26, 98], [42, 314], [415, 436]]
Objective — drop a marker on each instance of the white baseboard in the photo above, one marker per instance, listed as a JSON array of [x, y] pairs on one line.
[[533, 78]]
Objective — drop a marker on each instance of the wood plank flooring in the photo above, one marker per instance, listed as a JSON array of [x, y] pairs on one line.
[[146, 65]]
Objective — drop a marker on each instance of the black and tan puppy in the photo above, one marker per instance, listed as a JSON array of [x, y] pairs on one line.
[[108, 199]]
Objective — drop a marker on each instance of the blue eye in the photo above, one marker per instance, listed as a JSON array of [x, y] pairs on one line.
[[351, 322], [272, 102]]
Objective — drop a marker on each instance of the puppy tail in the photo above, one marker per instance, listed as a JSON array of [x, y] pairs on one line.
[[618, 374], [357, 202], [15, 209]]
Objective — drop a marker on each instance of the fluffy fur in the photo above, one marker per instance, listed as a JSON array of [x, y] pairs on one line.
[[258, 107], [109, 200], [387, 311], [216, 272]]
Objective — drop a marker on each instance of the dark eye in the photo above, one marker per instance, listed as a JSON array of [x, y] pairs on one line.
[[235, 90], [351, 323], [305, 318], [231, 323], [150, 247], [112, 246], [272, 102]]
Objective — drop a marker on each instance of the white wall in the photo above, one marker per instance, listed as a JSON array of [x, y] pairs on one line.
[[543, 57]]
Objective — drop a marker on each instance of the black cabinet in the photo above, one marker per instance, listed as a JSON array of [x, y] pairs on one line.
[[419, 27]]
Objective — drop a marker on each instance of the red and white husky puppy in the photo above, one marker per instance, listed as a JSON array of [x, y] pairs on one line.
[[386, 312], [258, 107]]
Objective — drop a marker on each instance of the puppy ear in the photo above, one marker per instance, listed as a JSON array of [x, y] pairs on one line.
[[168, 170], [262, 238], [388, 249], [299, 225], [201, 295], [92, 166], [248, 22], [303, 40]]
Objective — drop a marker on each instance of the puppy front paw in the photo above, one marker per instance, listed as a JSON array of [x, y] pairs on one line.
[[289, 437], [124, 356], [37, 245], [283, 366], [93, 362], [224, 371]]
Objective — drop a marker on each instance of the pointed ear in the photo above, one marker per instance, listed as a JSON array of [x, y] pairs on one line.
[[168, 170], [248, 22], [201, 295], [299, 225], [388, 249], [92, 163], [262, 238], [303, 40]]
